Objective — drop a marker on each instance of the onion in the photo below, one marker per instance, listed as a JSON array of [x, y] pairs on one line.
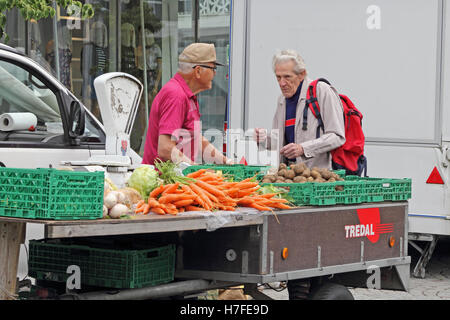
[[118, 210]]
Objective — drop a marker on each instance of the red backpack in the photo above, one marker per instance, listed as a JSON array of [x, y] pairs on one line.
[[349, 156]]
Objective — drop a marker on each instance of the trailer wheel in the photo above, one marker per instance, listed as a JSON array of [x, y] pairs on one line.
[[299, 289], [331, 291]]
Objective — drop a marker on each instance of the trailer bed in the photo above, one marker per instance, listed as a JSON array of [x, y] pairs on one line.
[[248, 246]]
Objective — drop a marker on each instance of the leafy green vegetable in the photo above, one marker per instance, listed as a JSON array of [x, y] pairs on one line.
[[144, 179], [281, 192], [169, 173]]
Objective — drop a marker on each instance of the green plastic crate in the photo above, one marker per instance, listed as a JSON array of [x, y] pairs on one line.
[[384, 189], [237, 171], [352, 190], [99, 266], [51, 194]]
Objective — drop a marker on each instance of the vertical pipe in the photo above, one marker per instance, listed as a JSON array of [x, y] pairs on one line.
[[144, 57], [56, 44], [196, 19]]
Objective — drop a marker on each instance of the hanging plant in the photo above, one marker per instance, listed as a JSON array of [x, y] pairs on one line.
[[39, 9]]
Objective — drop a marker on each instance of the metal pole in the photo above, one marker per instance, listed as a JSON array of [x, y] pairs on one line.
[[196, 15], [144, 57], [56, 43], [153, 292]]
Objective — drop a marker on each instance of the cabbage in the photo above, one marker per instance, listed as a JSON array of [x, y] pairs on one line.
[[144, 179]]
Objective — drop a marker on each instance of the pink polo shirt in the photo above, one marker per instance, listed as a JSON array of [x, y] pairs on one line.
[[175, 112]]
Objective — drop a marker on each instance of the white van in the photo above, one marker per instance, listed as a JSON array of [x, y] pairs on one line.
[[65, 129]]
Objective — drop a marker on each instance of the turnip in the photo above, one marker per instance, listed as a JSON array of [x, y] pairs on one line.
[[111, 199], [118, 210], [105, 211]]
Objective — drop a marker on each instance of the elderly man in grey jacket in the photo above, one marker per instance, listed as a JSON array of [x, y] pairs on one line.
[[287, 136]]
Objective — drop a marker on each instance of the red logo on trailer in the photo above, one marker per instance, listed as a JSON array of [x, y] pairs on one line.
[[369, 226]]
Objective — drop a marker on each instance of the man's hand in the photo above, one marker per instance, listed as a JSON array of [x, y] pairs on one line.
[[292, 150], [260, 135]]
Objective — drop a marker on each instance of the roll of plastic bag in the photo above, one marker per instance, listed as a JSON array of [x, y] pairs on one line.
[[18, 121]]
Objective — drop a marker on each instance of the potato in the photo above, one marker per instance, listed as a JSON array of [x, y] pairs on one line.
[[279, 181], [331, 180], [320, 180], [282, 166], [299, 167], [315, 174], [271, 177], [339, 188], [288, 181], [310, 179], [326, 174], [306, 173], [292, 166], [299, 179], [290, 174], [282, 172], [266, 180]]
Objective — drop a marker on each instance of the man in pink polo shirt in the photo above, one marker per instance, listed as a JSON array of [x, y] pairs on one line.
[[174, 131]]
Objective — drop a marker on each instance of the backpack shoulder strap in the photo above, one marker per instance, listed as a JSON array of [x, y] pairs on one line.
[[313, 104]]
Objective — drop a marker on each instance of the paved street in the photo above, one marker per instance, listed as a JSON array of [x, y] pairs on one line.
[[435, 286]]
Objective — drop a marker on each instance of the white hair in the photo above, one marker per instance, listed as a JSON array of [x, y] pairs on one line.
[[184, 67], [289, 55]]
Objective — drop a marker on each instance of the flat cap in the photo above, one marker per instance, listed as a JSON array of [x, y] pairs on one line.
[[199, 53]]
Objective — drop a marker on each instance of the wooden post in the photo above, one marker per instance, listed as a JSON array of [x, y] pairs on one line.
[[12, 234]]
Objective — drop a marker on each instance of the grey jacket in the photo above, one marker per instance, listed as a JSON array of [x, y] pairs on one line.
[[316, 151]]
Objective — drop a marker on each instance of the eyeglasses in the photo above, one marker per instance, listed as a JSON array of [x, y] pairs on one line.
[[205, 66]]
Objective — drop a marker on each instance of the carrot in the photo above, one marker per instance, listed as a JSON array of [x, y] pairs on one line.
[[268, 195], [140, 204], [199, 191], [208, 178], [170, 206], [245, 201], [146, 209], [156, 192], [259, 207], [196, 174], [171, 188], [183, 203], [211, 189], [140, 209], [279, 206], [158, 210], [231, 191], [153, 202], [175, 197], [172, 211], [211, 196], [193, 208], [246, 185], [246, 180], [181, 209], [245, 192]]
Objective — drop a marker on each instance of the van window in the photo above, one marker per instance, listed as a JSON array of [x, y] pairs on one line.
[[20, 91]]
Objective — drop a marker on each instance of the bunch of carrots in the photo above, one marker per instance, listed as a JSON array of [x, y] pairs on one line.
[[208, 191]]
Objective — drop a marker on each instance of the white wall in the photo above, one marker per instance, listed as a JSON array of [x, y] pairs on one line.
[[382, 54]]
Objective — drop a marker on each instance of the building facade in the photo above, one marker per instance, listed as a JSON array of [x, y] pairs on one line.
[[139, 37]]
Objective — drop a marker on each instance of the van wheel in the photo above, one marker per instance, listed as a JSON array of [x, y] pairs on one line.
[[331, 291], [299, 289]]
